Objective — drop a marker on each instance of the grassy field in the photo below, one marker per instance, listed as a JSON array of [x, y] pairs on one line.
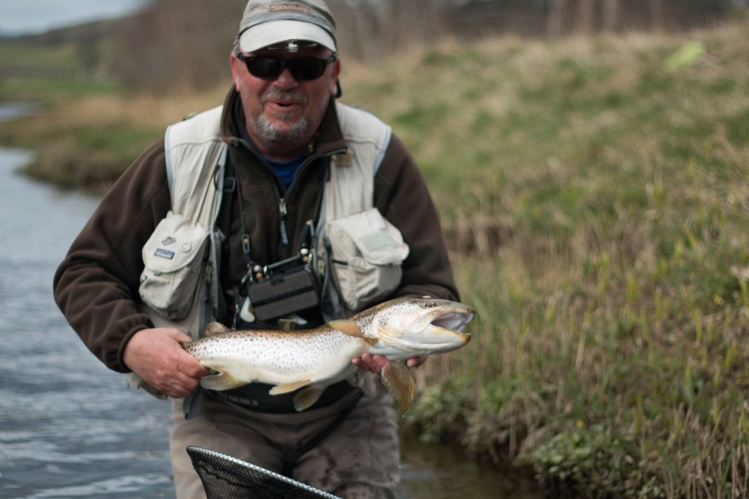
[[53, 71], [595, 194]]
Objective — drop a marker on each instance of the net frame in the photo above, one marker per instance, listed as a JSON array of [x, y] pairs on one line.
[[226, 477]]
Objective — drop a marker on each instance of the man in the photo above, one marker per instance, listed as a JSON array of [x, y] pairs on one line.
[[285, 136]]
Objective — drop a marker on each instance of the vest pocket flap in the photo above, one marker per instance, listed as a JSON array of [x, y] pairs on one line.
[[367, 252], [175, 243], [173, 262], [376, 239]]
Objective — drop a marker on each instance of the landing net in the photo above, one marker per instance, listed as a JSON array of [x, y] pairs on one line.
[[225, 477]]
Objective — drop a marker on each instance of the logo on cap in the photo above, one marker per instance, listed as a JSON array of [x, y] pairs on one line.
[[294, 7]]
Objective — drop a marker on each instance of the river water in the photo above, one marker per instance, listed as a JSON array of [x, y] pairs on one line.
[[69, 427]]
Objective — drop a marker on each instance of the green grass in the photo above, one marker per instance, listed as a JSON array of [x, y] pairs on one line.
[[30, 54], [27, 89], [596, 200], [615, 314], [611, 196], [53, 72]]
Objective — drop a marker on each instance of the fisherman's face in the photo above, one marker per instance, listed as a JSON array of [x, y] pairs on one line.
[[283, 114]]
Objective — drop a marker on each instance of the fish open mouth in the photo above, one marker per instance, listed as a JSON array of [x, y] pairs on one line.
[[454, 321]]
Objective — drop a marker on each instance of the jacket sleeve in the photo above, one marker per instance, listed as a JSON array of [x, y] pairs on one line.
[[96, 285], [402, 196]]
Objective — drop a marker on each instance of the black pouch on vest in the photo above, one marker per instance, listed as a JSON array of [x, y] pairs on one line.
[[284, 293]]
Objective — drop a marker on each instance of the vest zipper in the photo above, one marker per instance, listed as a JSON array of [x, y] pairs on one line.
[[282, 199], [282, 211]]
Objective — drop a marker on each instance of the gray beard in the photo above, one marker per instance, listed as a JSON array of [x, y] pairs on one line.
[[291, 136]]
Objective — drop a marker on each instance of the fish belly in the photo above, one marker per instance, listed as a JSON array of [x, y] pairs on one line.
[[283, 361]]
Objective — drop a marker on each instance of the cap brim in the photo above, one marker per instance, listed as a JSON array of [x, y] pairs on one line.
[[273, 32]]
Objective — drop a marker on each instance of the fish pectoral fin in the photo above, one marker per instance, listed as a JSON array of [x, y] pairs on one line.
[[221, 381], [350, 328], [307, 397], [389, 335], [288, 387], [398, 378], [215, 328]]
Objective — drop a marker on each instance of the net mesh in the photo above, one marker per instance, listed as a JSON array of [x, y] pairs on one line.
[[225, 477]]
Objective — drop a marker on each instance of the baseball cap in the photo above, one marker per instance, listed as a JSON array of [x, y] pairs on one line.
[[269, 22]]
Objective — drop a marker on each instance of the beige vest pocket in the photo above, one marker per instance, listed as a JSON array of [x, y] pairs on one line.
[[173, 258], [367, 252]]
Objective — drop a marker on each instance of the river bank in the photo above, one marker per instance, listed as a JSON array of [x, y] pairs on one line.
[[71, 428], [595, 195]]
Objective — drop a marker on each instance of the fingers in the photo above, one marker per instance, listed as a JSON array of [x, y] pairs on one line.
[[376, 363], [177, 376], [415, 362], [181, 385], [157, 356], [180, 336], [369, 362], [191, 367]]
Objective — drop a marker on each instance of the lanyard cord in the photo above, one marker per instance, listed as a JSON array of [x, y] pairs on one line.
[[254, 271], [231, 187], [245, 234]]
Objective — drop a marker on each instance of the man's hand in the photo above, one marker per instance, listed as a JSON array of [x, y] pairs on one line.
[[158, 358], [376, 363]]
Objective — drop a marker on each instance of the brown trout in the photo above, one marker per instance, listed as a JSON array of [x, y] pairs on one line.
[[312, 359]]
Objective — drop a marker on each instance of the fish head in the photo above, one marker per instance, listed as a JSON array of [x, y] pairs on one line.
[[422, 326]]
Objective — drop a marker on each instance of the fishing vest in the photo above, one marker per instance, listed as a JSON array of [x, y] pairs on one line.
[[358, 253]]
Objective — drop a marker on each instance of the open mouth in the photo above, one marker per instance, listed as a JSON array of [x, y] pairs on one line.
[[281, 100], [454, 321]]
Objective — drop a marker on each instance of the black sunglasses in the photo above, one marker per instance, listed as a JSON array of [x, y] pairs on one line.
[[270, 68]]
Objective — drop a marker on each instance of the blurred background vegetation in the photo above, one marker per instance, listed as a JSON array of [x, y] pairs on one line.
[[183, 44], [590, 160]]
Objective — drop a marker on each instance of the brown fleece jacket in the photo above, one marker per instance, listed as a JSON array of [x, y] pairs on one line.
[[96, 285]]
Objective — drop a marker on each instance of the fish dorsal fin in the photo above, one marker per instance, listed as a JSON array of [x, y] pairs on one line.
[[351, 328], [347, 326], [288, 387], [307, 397], [397, 377], [215, 328]]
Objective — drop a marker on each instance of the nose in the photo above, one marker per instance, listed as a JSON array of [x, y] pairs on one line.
[[285, 80]]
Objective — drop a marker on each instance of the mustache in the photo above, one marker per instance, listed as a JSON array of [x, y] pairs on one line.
[[274, 94]]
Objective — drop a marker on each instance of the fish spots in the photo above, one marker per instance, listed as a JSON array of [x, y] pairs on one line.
[[396, 329]]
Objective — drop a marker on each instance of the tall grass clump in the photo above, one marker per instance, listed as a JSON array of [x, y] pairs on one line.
[[596, 194]]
